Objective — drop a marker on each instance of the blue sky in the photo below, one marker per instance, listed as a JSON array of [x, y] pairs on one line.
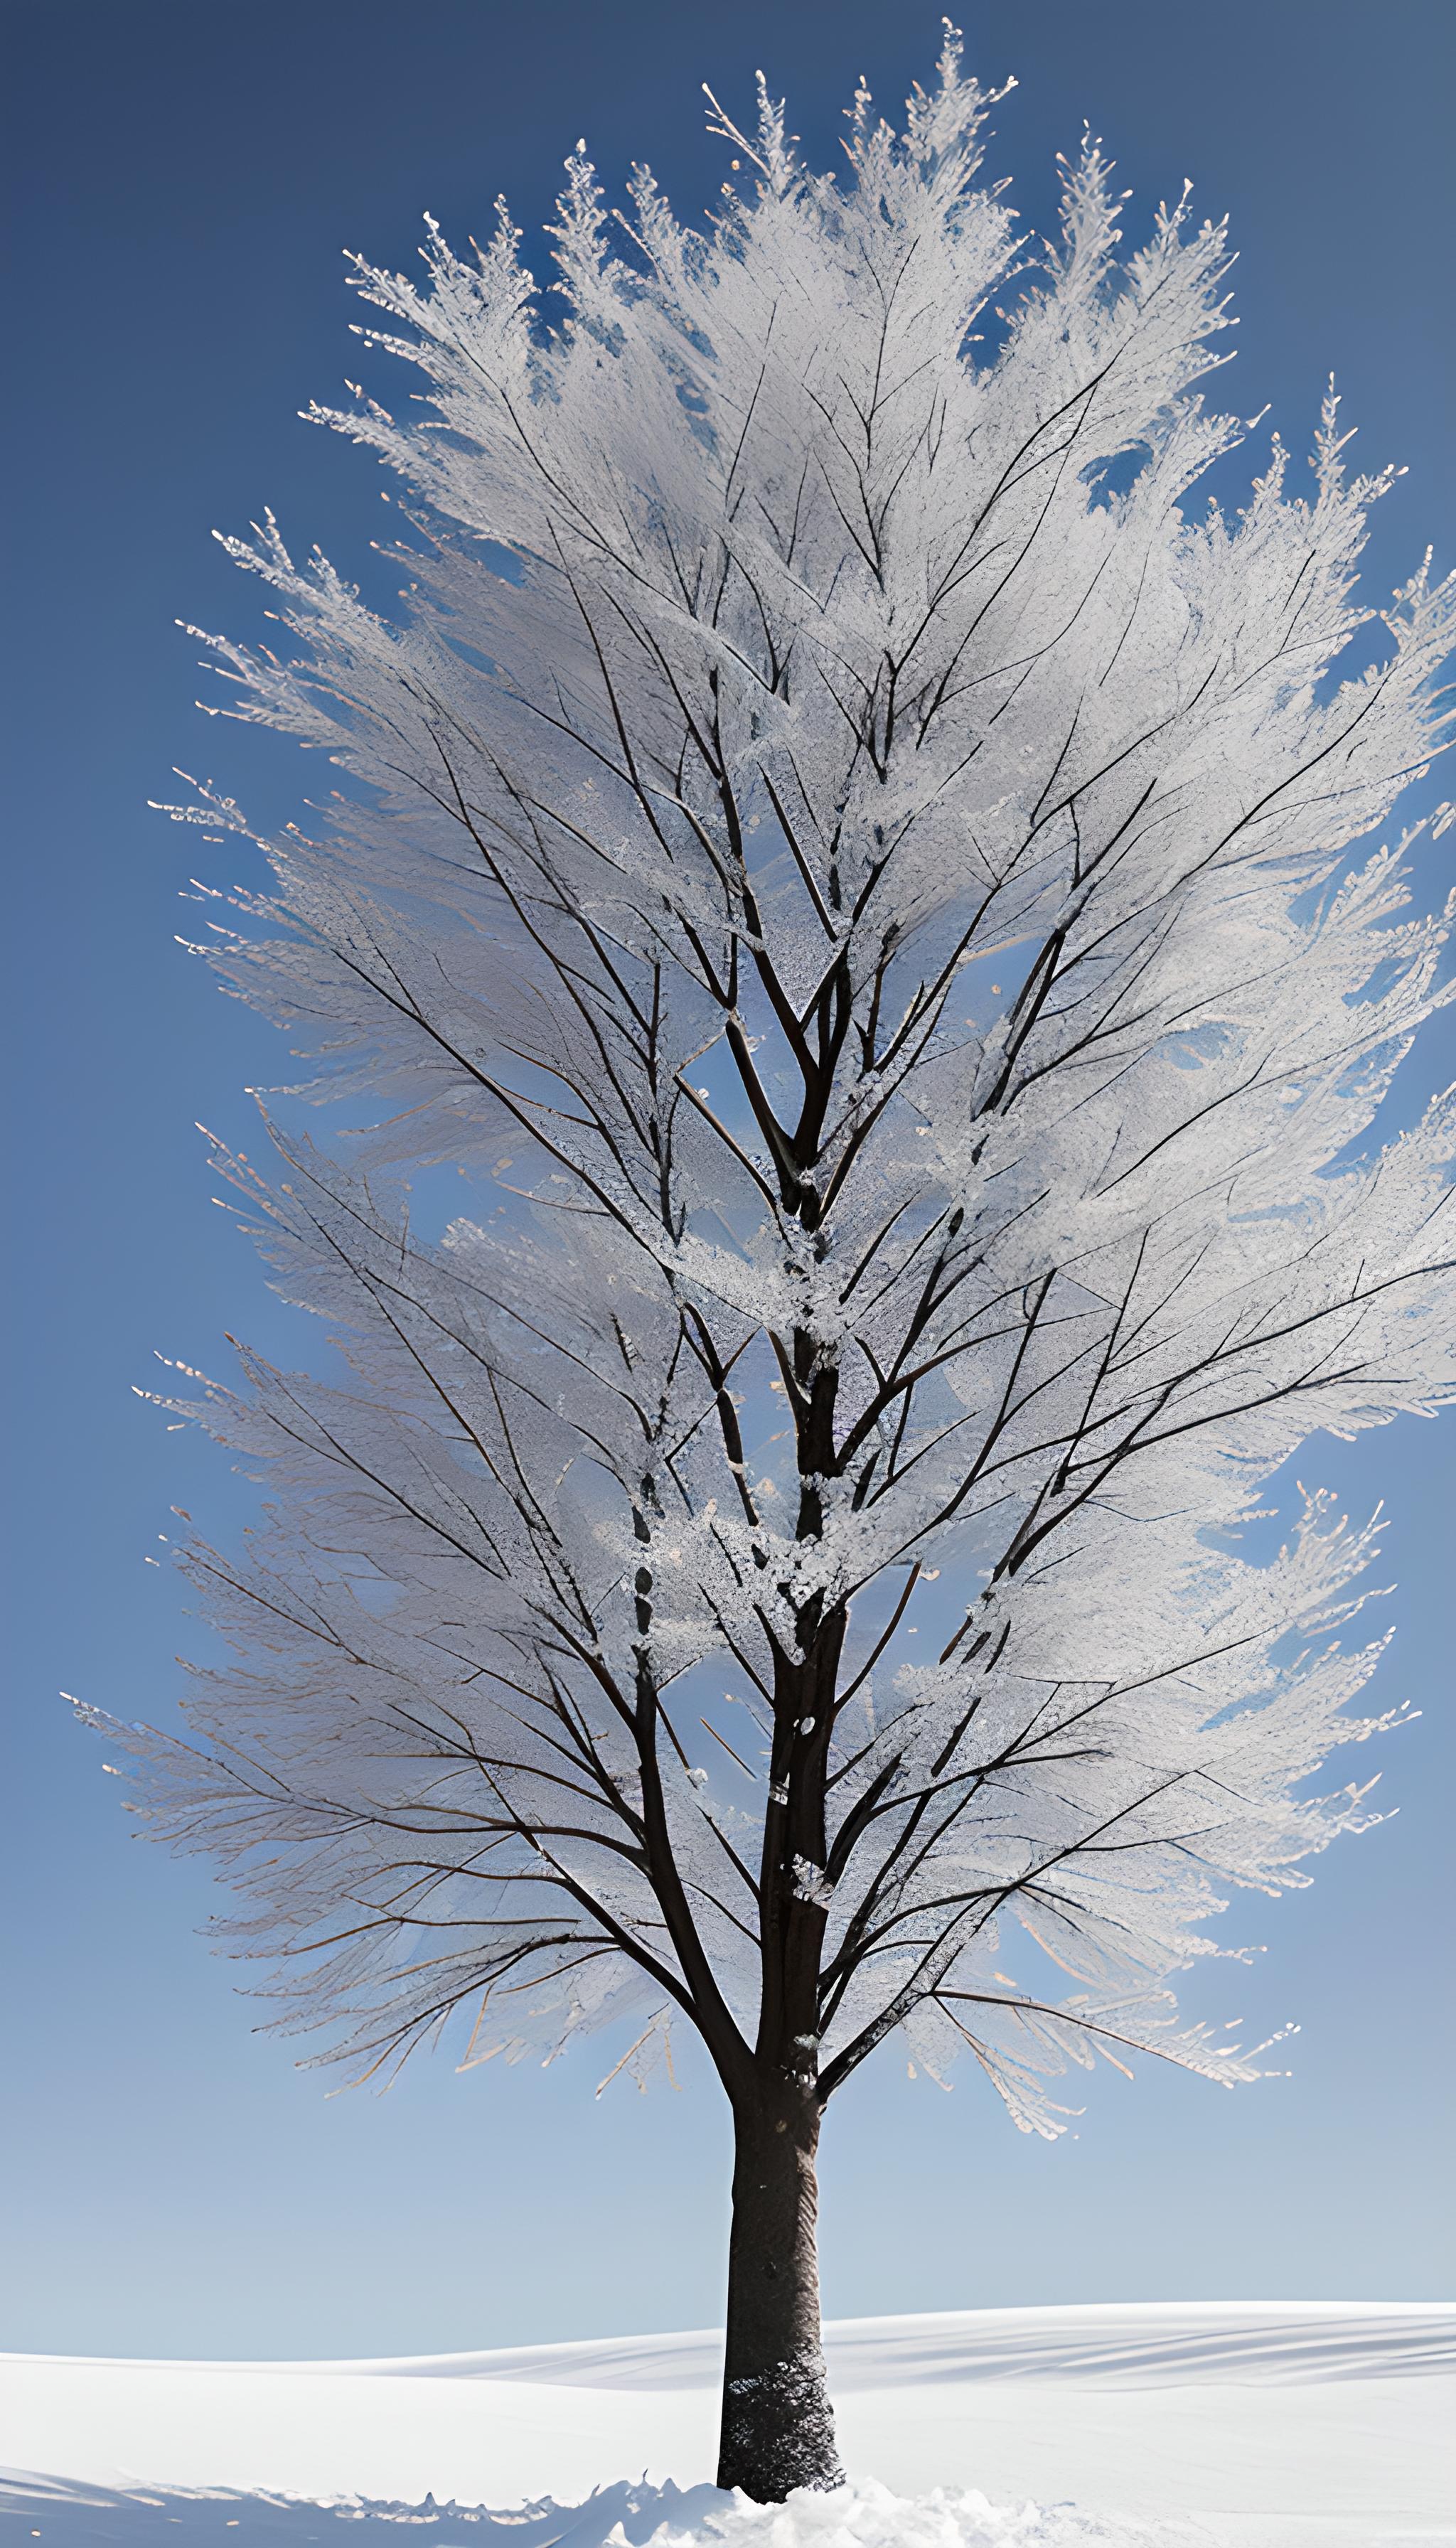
[[185, 175]]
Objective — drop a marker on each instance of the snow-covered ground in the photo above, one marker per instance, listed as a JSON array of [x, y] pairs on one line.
[[1306, 2426]]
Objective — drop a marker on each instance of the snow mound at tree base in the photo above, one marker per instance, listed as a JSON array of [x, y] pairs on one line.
[[868, 2515], [624, 2516]]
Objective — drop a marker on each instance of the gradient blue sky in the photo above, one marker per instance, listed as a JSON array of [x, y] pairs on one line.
[[185, 173]]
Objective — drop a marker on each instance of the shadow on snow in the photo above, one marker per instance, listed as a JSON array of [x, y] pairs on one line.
[[65, 2514]]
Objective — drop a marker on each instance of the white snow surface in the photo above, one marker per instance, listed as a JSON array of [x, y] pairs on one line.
[[1211, 2425]]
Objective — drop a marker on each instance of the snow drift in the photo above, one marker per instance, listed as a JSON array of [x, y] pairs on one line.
[[1260, 2426], [618, 2517]]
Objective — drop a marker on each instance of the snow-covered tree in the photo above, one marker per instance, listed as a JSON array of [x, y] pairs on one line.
[[867, 867]]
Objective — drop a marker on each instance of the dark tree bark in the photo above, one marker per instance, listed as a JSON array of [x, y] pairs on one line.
[[777, 2422]]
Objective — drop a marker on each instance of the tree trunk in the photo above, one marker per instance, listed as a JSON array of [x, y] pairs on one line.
[[777, 2422]]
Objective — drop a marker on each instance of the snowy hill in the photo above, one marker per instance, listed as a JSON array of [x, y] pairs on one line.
[[1299, 2426]]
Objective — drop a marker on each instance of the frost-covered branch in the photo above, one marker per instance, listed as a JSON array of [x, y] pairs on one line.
[[902, 923]]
